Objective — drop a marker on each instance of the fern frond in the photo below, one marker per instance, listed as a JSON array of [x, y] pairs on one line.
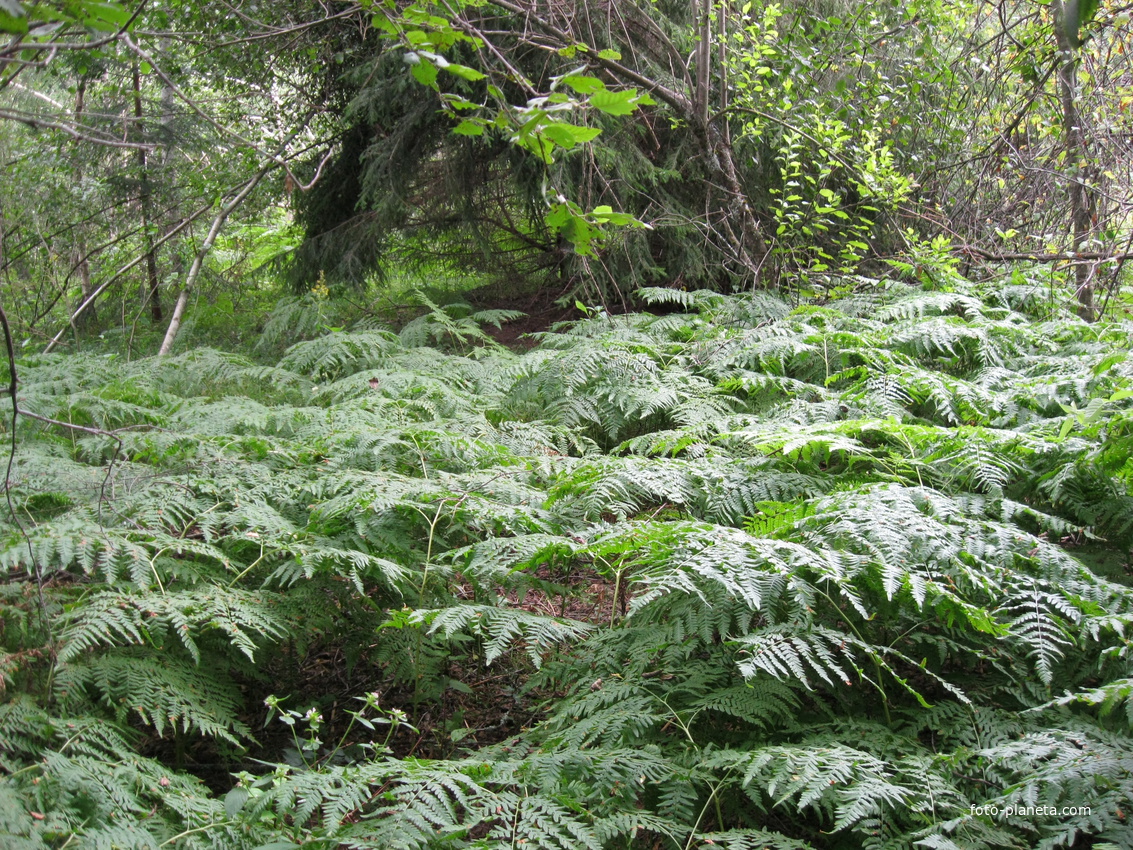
[[500, 627], [795, 655], [159, 691], [1107, 698], [750, 839], [339, 354], [123, 619]]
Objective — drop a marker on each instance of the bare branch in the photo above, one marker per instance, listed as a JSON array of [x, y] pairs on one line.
[[75, 131], [277, 158], [118, 274], [1076, 258]]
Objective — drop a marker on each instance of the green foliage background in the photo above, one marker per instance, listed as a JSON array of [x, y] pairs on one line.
[[861, 566]]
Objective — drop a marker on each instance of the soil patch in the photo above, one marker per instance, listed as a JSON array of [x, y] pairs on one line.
[[540, 312]]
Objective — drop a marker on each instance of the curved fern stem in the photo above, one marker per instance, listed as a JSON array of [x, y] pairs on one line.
[[194, 831], [251, 567], [876, 664], [713, 800]]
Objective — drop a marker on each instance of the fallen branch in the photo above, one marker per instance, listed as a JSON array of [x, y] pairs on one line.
[[275, 160], [118, 274]]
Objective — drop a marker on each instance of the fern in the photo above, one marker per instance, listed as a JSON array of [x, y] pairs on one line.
[[748, 575], [786, 654], [159, 691], [1108, 698], [842, 783], [88, 783], [339, 354], [122, 619], [500, 627]]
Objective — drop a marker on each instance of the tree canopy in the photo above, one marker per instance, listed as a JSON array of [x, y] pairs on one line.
[[595, 147]]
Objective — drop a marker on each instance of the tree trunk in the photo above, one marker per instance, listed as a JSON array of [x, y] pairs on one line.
[[203, 252], [82, 268], [702, 96], [79, 253], [1082, 201], [150, 292]]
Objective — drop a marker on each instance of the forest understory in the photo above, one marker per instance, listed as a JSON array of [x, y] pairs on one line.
[[852, 571], [514, 424]]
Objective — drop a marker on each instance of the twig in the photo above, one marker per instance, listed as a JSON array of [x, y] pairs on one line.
[[13, 385], [76, 131], [1059, 257], [278, 159]]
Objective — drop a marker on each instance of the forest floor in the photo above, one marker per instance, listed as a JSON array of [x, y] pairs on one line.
[[541, 310]]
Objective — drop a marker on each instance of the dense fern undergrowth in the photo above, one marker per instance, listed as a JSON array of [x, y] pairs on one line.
[[742, 575]]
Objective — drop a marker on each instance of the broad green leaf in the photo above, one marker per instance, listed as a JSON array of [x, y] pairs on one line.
[[1086, 11], [542, 148], [424, 72], [468, 128], [582, 84], [569, 135], [568, 220], [103, 16], [558, 216], [606, 215], [615, 102], [13, 18], [455, 101], [463, 71], [1109, 362], [382, 21], [234, 801]]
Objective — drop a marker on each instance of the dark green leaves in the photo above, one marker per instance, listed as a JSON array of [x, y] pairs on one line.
[[585, 230], [102, 14]]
